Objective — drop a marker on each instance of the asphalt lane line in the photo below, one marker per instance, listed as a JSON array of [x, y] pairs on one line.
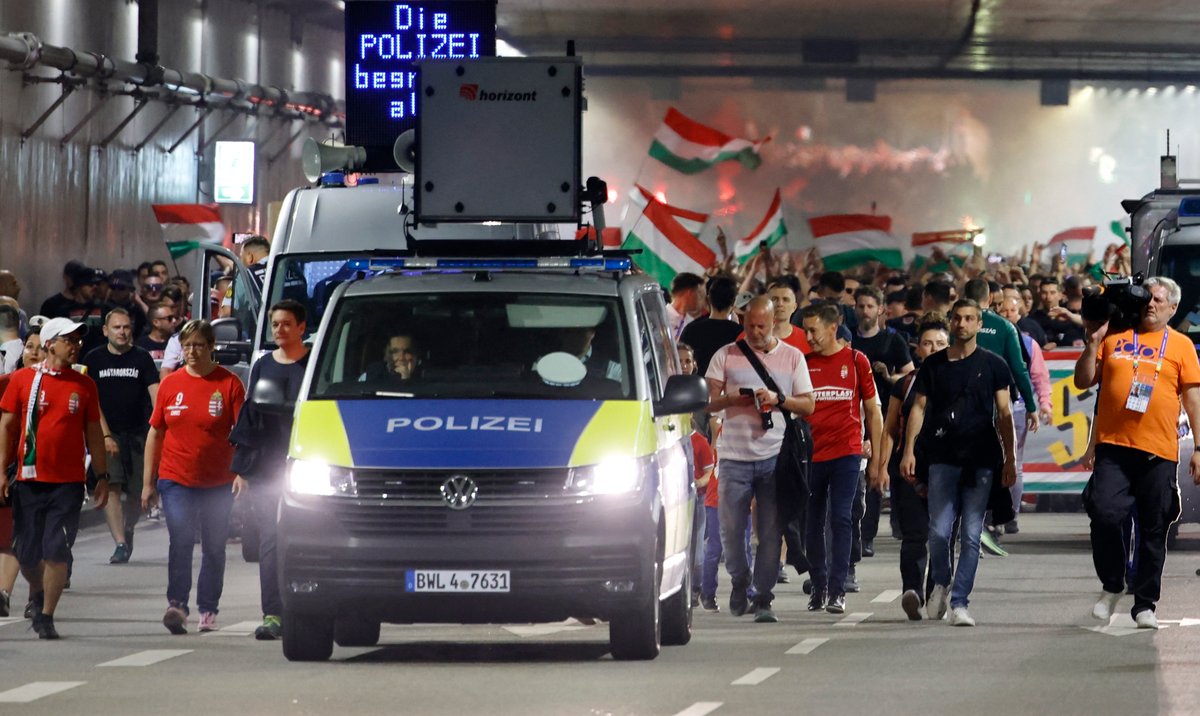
[[11, 620], [854, 619], [238, 629], [887, 597], [146, 658], [700, 708], [36, 690], [806, 647], [756, 677]]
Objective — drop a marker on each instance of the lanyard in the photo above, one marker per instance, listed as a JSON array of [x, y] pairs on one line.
[[1162, 350]]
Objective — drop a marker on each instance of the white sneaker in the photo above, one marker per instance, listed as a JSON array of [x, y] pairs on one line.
[[1146, 620], [960, 617], [936, 606], [1106, 605]]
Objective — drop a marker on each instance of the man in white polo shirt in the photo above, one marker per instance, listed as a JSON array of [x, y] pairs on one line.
[[747, 447]]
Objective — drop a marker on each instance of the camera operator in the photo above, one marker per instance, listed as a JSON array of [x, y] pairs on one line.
[[1144, 374]]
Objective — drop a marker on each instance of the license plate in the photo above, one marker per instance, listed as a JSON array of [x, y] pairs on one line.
[[462, 580]]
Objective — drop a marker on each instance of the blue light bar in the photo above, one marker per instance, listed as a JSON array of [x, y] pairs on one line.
[[1190, 207], [587, 264]]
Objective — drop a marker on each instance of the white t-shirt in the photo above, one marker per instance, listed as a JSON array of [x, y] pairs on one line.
[[12, 353], [677, 321], [173, 354], [742, 436]]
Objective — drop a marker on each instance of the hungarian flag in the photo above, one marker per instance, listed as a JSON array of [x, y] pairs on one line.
[[690, 147], [771, 229], [1078, 243], [668, 239], [956, 245], [187, 226], [848, 240]]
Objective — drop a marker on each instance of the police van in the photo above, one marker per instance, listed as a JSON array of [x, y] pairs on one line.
[[489, 440]]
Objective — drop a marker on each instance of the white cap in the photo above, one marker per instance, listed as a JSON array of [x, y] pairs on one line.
[[58, 327]]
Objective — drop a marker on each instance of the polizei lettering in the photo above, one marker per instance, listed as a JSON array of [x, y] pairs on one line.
[[491, 423]]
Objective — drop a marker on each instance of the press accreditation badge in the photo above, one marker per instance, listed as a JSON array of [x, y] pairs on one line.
[[1139, 397]]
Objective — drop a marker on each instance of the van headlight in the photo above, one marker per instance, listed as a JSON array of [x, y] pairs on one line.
[[314, 477], [612, 476]]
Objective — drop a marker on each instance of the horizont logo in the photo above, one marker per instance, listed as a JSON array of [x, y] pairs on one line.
[[472, 92]]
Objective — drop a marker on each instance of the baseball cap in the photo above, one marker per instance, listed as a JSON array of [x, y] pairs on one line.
[[36, 322], [91, 276], [58, 327], [121, 278]]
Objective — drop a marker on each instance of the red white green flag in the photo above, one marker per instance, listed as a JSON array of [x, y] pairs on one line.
[[187, 226], [848, 240], [770, 230], [956, 245], [1078, 242], [687, 146], [669, 240]]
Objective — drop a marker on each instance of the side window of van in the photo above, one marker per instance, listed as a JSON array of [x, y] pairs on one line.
[[663, 359]]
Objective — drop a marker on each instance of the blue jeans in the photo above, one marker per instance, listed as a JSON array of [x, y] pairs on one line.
[[188, 509], [712, 551], [832, 485], [742, 481], [950, 498]]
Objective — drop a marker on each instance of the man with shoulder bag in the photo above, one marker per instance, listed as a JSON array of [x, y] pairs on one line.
[[749, 445]]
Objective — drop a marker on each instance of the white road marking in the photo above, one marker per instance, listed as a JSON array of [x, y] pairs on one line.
[[700, 708], [1185, 622], [238, 629], [756, 677], [854, 619], [36, 690], [146, 658], [887, 597], [1121, 625], [806, 647], [11, 620]]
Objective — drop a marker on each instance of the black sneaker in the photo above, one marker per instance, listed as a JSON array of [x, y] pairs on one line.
[[709, 604], [851, 584], [837, 604], [738, 602], [45, 627], [817, 601], [129, 540], [120, 555], [765, 615], [868, 548], [5, 603], [1011, 528], [270, 630], [34, 606], [807, 586], [910, 602], [783, 576]]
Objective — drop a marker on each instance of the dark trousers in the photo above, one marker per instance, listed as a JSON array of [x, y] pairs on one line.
[[832, 485], [187, 510], [264, 503], [870, 520], [856, 517], [1126, 479], [912, 511]]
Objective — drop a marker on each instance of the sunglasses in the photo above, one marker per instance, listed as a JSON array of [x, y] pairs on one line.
[[153, 286]]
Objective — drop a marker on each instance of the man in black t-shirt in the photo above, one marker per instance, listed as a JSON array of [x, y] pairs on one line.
[[707, 334], [1054, 319], [127, 381], [962, 401]]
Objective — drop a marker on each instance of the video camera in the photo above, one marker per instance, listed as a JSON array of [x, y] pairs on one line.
[[1120, 303]]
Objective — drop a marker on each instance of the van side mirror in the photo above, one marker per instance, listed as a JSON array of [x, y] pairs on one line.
[[230, 349], [268, 397], [682, 394]]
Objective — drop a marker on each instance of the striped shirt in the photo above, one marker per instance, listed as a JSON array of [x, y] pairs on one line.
[[742, 436]]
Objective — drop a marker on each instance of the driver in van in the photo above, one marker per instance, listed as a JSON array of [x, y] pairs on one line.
[[401, 360], [578, 342]]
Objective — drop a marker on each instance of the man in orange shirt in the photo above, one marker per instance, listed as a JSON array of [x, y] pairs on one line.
[[1144, 374]]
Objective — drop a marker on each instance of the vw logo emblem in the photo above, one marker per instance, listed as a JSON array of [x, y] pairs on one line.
[[459, 492]]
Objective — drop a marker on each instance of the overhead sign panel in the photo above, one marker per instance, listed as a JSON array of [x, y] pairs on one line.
[[499, 139], [384, 41], [233, 173]]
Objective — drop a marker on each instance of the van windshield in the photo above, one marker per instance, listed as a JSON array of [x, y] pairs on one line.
[[1182, 264], [475, 345]]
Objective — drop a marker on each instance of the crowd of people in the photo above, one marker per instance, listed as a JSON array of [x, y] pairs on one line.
[[924, 384], [921, 384], [113, 387]]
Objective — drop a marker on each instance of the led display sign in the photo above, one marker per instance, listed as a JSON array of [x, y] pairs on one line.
[[233, 173], [384, 41]]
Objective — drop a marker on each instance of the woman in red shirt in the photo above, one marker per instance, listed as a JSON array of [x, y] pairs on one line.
[[188, 448]]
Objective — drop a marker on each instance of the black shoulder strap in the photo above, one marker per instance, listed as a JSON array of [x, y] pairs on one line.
[[759, 368]]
